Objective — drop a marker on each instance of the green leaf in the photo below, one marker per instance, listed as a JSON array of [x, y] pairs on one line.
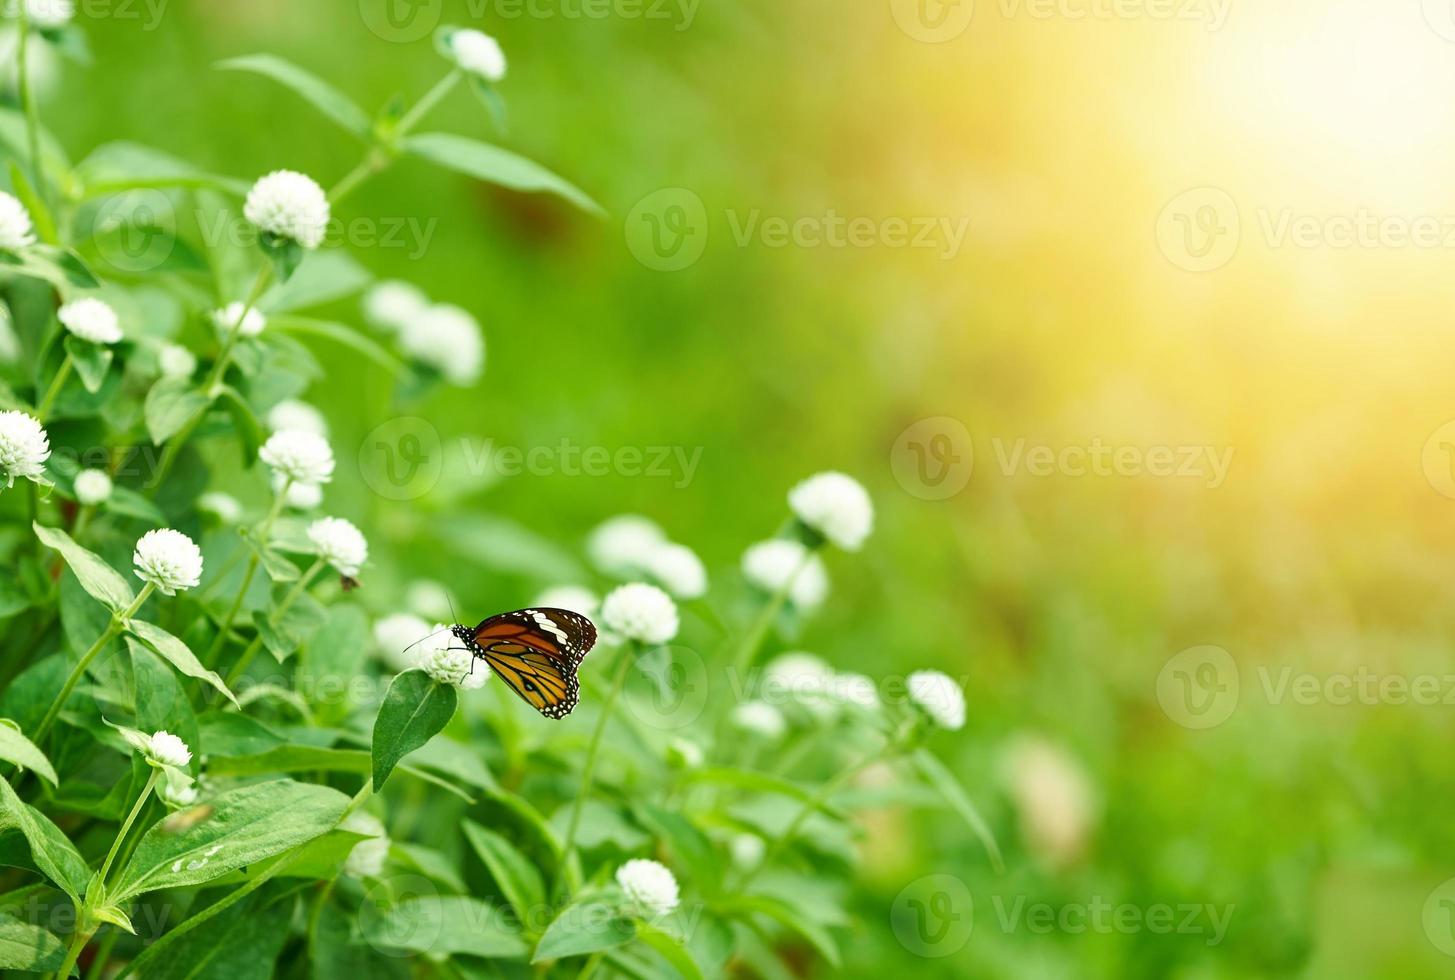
[[324, 277], [170, 404], [100, 580], [323, 96], [245, 423], [758, 782], [285, 254], [241, 943], [688, 844], [279, 568], [514, 874], [435, 865], [161, 704], [339, 334], [40, 215], [28, 948], [497, 166], [791, 919], [671, 949], [129, 503], [587, 927], [178, 654], [91, 361], [446, 924], [338, 954], [55, 856], [309, 758], [944, 781], [415, 709], [16, 748], [123, 166], [242, 827]]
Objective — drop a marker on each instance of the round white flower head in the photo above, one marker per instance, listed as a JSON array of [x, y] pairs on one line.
[[769, 565], [677, 569], [177, 789], [340, 544], [621, 545], [166, 749], [294, 414], [303, 457], [761, 719], [576, 598], [394, 634], [640, 612], [223, 505], [649, 886], [939, 696], [289, 205], [90, 319], [447, 339], [251, 323], [479, 54], [168, 559], [747, 851], [367, 858], [836, 506], [802, 678], [684, 753], [428, 598], [176, 361], [93, 487], [856, 690], [15, 228], [393, 305], [50, 14], [447, 663], [24, 447]]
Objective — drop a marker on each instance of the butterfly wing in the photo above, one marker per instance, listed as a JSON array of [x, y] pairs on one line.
[[537, 652]]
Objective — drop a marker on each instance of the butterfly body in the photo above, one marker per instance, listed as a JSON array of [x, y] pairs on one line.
[[536, 652]]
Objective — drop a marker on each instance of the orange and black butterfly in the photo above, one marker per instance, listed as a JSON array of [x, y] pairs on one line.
[[536, 652]]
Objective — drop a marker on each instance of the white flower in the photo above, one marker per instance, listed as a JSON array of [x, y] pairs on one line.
[[620, 545], [176, 361], [479, 54], [684, 753], [939, 696], [177, 788], [394, 634], [768, 565], [340, 544], [294, 414], [225, 506], [303, 457], [166, 749], [248, 324], [677, 569], [447, 339], [24, 447], [747, 851], [90, 319], [1053, 796], [168, 559], [836, 506], [640, 612], [301, 496], [367, 858], [393, 305], [803, 678], [15, 227], [761, 719], [50, 14], [575, 598], [289, 205], [429, 599], [854, 689], [648, 885], [93, 487], [447, 663]]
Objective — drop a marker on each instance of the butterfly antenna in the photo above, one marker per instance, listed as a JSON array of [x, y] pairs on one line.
[[451, 601], [423, 638]]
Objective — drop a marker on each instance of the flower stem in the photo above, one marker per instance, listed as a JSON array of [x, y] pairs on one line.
[[79, 940], [283, 605], [423, 106], [374, 161], [57, 383], [113, 630], [753, 639], [265, 531], [628, 653], [141, 801], [98, 962]]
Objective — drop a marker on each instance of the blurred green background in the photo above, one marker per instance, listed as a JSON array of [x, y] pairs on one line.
[[1060, 321]]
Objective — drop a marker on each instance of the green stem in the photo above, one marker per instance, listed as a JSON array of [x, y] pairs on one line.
[[628, 653], [83, 518], [264, 535], [57, 383], [141, 800], [103, 954], [423, 106], [753, 639], [79, 940], [114, 629], [374, 162], [283, 606]]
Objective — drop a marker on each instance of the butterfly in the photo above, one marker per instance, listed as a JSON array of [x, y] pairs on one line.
[[536, 652]]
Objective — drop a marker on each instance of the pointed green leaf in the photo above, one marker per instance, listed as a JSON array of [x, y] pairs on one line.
[[671, 950], [323, 96], [415, 709], [16, 748], [100, 580], [52, 852], [944, 781], [445, 924], [587, 927], [497, 166], [178, 654], [170, 404], [91, 361], [28, 948], [516, 876]]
